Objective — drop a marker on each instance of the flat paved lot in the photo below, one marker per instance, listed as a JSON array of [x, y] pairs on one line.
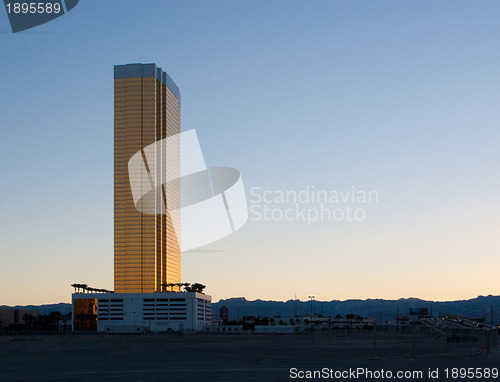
[[227, 358]]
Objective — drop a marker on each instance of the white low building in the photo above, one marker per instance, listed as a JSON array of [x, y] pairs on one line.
[[141, 312], [280, 329], [224, 329]]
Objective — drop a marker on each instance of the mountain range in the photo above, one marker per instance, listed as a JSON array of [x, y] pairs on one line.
[[382, 310]]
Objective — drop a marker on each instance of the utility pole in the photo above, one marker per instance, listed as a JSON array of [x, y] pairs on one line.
[[311, 298], [295, 305]]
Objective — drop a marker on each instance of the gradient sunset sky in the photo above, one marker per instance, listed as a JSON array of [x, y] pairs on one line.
[[400, 97]]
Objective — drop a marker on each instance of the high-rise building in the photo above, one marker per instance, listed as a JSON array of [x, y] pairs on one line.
[[146, 246], [147, 216]]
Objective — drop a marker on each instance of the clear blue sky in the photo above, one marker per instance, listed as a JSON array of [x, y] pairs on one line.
[[395, 96]]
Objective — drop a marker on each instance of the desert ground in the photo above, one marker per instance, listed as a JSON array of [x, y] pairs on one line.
[[202, 357]]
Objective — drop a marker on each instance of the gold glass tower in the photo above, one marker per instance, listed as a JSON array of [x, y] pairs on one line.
[[147, 110]]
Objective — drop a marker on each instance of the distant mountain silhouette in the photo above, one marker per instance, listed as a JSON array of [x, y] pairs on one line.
[[382, 310], [61, 307]]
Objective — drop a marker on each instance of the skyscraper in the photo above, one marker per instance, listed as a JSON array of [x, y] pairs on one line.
[[146, 246]]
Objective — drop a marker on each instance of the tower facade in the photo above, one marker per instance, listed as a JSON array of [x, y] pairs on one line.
[[146, 247]]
